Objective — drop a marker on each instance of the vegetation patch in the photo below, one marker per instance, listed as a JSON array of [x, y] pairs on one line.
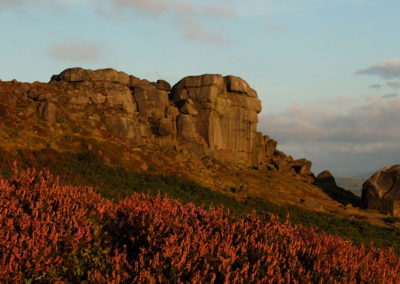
[[55, 233], [112, 182]]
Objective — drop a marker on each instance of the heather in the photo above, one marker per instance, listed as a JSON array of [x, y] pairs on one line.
[[114, 182], [51, 232]]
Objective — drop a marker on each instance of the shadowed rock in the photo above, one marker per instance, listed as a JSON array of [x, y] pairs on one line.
[[326, 177], [382, 191], [327, 183]]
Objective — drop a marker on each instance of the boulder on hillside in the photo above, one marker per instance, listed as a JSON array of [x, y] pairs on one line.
[[326, 177], [382, 191], [327, 183]]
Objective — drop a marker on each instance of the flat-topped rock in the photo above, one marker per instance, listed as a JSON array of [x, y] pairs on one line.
[[105, 75]]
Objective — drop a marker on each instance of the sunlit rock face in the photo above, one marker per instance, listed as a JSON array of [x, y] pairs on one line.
[[382, 191], [220, 113]]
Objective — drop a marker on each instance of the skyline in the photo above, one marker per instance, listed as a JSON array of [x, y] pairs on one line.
[[327, 72]]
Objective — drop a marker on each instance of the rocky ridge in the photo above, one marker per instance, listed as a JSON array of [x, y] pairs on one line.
[[210, 117]]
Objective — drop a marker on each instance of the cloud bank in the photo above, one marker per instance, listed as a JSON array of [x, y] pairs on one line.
[[393, 85], [189, 17], [357, 139], [387, 69]]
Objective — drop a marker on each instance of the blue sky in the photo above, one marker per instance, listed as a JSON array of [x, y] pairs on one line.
[[327, 72]]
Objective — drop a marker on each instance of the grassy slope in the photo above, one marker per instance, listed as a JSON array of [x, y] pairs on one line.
[[115, 182]]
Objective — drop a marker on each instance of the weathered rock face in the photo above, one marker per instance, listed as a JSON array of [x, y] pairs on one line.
[[382, 191], [221, 114], [277, 160], [210, 116]]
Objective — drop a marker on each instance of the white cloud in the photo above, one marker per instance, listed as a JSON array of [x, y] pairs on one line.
[[340, 140], [387, 69], [187, 16]]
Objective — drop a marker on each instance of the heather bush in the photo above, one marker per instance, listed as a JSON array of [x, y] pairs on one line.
[[48, 232], [170, 242], [89, 169], [51, 233]]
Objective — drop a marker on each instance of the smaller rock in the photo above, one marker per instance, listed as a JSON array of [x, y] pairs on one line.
[[326, 177], [239, 188], [163, 85]]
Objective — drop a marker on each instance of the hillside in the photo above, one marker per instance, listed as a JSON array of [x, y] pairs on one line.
[[53, 233], [201, 130]]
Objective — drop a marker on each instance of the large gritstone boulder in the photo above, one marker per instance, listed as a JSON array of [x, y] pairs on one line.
[[382, 191], [218, 117]]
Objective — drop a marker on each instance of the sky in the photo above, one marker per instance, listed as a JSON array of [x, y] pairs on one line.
[[327, 71]]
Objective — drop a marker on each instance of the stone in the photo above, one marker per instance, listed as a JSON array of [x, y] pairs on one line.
[[301, 166], [80, 75], [270, 146], [326, 177], [188, 108], [151, 102], [238, 85], [121, 98], [239, 188], [382, 191], [47, 111], [163, 85], [225, 117]]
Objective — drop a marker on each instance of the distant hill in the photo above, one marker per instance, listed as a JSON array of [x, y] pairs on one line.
[[366, 175], [353, 184]]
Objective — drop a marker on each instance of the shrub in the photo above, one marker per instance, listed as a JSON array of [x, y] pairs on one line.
[[170, 242], [48, 232]]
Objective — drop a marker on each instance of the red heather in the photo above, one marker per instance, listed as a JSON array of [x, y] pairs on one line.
[[51, 232]]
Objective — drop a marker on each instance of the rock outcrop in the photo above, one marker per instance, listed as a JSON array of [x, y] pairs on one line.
[[218, 115], [326, 177], [327, 183], [382, 191], [210, 116]]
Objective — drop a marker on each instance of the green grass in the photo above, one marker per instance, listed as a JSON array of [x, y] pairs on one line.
[[116, 183]]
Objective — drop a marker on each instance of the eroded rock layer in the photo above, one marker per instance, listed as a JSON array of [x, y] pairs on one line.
[[211, 116]]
